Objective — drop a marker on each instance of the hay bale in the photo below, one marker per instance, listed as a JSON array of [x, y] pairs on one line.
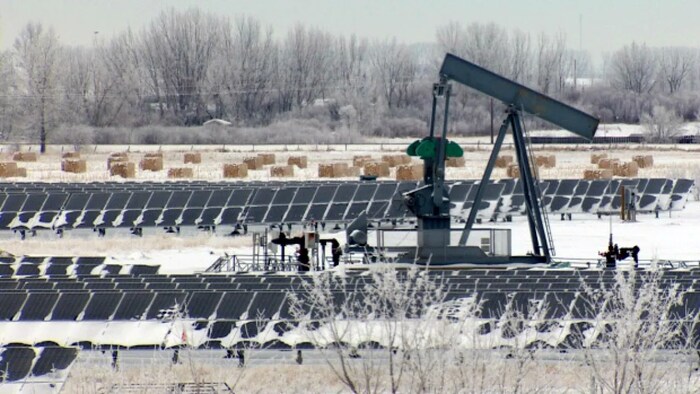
[[192, 157], [299, 161], [513, 171], [70, 155], [253, 163], [595, 158], [645, 161], [117, 157], [8, 169], [608, 163], [354, 171], [630, 169], [592, 175], [125, 169], [153, 163], [74, 166], [455, 162], [235, 170], [360, 160], [282, 171], [154, 154], [396, 160], [180, 172], [333, 170], [504, 161], [24, 156], [340, 170], [547, 161], [325, 170], [377, 168], [21, 172], [267, 158], [409, 172]]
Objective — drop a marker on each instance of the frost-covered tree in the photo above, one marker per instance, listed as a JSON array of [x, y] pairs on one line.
[[675, 65], [37, 53], [634, 68]]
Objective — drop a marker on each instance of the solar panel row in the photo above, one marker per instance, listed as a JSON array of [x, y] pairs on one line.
[[144, 297], [302, 203]]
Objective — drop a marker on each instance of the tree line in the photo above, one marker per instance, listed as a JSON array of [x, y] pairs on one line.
[[186, 67]]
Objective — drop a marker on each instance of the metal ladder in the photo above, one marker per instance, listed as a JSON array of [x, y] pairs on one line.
[[538, 192]]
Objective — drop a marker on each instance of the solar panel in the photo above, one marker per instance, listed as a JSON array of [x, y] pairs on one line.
[[53, 359], [202, 305], [133, 306], [16, 363], [233, 305], [102, 306], [11, 304], [38, 306], [70, 306]]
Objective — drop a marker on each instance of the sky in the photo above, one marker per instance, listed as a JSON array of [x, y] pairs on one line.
[[597, 26]]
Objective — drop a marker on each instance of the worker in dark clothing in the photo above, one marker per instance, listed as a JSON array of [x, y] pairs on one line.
[[336, 252], [304, 260], [115, 360]]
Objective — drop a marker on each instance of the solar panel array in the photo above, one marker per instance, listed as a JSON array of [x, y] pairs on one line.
[[229, 310], [35, 206]]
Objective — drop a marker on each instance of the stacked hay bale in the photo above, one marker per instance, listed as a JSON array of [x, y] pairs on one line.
[[412, 172], [595, 158], [282, 171], [299, 161], [504, 161], [591, 175], [333, 170], [360, 160], [24, 156], [116, 157], [626, 169], [152, 162], [608, 164], [193, 158], [646, 161], [377, 168], [546, 161], [180, 173], [455, 162], [75, 166], [239, 170], [253, 162], [124, 169], [396, 160], [267, 158]]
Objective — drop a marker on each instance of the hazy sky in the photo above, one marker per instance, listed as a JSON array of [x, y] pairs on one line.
[[607, 24]]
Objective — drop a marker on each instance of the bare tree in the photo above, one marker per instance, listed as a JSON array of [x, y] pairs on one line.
[[394, 69], [37, 53], [551, 64], [8, 95], [178, 49], [242, 73], [634, 68], [675, 65]]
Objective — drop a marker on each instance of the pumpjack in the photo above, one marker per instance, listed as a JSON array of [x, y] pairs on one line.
[[430, 203]]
